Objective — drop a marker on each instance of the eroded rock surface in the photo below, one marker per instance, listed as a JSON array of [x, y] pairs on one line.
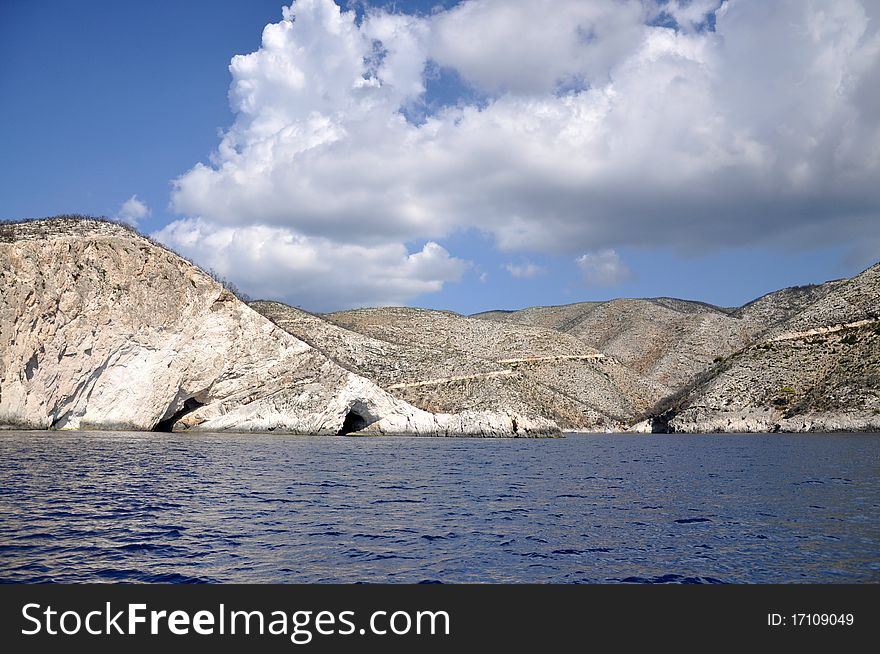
[[448, 363], [103, 329], [804, 358], [817, 370]]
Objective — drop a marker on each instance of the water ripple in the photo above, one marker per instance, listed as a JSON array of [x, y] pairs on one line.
[[204, 508]]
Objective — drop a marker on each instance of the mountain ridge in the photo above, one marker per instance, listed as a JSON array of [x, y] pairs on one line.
[[91, 309], [100, 328]]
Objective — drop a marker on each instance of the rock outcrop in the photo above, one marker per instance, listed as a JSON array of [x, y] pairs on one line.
[[445, 362], [800, 359], [816, 370], [666, 341], [102, 329]]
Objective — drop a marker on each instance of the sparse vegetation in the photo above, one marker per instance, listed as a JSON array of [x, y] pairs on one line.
[[7, 231], [669, 406], [228, 285], [789, 354], [8, 234]]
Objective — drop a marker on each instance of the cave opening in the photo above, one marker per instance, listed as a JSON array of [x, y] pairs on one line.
[[353, 422], [660, 423], [167, 424]]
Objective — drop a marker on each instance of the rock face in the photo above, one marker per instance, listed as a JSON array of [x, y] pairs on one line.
[[443, 362], [800, 359], [817, 370], [102, 329], [805, 382], [666, 341]]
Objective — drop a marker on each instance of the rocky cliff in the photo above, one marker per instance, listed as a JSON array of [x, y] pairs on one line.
[[799, 359], [664, 340], [816, 370], [444, 362], [102, 329]]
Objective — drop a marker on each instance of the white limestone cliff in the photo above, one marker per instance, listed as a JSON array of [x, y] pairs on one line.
[[102, 329]]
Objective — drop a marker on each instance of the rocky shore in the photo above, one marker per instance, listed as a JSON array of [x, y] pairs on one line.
[[799, 359], [102, 328]]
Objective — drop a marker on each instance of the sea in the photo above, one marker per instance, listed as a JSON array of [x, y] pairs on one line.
[[603, 508]]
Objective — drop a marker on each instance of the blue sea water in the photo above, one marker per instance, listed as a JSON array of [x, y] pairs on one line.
[[148, 507]]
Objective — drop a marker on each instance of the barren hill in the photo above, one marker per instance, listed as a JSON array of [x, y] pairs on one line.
[[442, 361], [456, 333], [671, 341], [101, 328], [773, 309], [665, 340], [816, 370], [388, 363], [843, 301]]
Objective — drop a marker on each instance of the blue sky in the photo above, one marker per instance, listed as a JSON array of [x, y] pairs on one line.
[[556, 170]]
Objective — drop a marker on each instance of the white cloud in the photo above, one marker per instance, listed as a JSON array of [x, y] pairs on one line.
[[313, 272], [766, 130], [689, 14], [603, 268], [524, 270], [132, 210], [533, 46]]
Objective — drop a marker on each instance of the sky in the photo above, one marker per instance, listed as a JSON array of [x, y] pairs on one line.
[[460, 155]]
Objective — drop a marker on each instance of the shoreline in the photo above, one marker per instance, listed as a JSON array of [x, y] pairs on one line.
[[562, 434]]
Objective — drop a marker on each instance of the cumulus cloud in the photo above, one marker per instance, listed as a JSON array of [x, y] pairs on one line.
[[534, 46], [525, 270], [690, 14], [597, 127], [313, 272], [132, 210], [603, 268]]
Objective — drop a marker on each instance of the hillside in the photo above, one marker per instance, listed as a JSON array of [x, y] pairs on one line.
[[810, 381], [666, 341], [444, 362], [456, 333], [388, 363], [846, 301], [817, 370], [101, 328], [671, 341], [773, 309]]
